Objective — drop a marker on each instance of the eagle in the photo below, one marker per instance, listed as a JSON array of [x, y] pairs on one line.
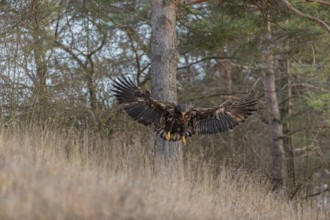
[[175, 122]]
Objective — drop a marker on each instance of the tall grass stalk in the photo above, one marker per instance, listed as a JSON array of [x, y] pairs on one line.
[[51, 174]]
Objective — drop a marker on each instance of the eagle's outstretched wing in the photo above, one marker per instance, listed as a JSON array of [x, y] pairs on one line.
[[140, 105], [224, 117]]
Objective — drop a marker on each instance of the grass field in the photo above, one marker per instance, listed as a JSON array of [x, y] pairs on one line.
[[48, 175]]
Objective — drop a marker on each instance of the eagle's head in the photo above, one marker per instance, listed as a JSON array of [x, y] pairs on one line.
[[183, 111]]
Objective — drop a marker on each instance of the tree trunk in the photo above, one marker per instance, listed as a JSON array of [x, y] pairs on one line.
[[164, 59], [91, 88], [274, 121], [227, 78], [40, 89], [285, 111]]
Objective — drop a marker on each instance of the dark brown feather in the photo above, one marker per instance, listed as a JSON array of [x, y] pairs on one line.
[[225, 117], [138, 104], [181, 120]]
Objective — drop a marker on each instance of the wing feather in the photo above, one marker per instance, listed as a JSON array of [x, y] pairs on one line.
[[224, 117], [140, 105]]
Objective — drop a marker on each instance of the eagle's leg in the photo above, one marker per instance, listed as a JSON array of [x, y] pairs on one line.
[[183, 133], [168, 128], [183, 139]]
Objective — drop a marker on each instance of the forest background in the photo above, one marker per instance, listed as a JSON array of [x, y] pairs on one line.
[[58, 59]]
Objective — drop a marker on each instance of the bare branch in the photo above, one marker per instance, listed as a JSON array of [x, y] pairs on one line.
[[309, 86], [192, 2], [317, 193], [137, 60], [202, 60], [319, 1], [69, 51], [303, 15], [100, 46]]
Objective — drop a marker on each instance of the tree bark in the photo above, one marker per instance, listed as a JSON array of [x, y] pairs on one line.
[[40, 89], [286, 113], [164, 59], [273, 115]]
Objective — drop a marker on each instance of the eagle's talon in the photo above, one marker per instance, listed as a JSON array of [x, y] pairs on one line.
[[168, 137], [184, 140]]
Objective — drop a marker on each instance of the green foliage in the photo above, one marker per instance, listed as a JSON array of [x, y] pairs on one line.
[[320, 103], [217, 26]]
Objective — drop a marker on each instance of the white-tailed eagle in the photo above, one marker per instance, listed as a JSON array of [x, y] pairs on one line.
[[174, 122]]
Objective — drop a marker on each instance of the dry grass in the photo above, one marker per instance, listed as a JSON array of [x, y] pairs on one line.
[[46, 175]]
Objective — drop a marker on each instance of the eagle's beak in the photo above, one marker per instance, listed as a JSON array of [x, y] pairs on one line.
[[184, 140], [168, 137]]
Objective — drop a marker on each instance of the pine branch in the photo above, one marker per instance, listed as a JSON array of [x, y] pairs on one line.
[[303, 15], [319, 2], [192, 2]]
